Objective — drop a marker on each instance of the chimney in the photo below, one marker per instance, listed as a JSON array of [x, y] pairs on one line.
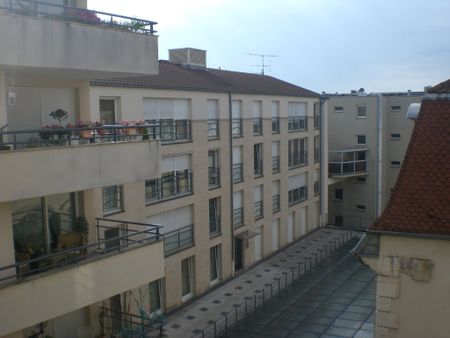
[[188, 57]]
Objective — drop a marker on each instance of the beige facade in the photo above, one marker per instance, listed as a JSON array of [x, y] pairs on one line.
[[376, 125]]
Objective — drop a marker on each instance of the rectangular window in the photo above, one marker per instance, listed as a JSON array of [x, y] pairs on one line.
[[238, 174], [395, 163], [275, 233], [112, 199], [258, 159], [214, 216], [108, 110], [338, 194], [236, 123], [297, 120], [213, 119], [187, 278], [238, 210], [361, 111], [275, 196], [396, 108], [338, 109], [338, 221], [316, 148], [316, 116], [275, 157], [298, 190], [213, 169], [259, 204], [275, 117], [360, 207], [395, 136], [155, 296], [361, 139], [257, 118], [214, 260], [297, 152]]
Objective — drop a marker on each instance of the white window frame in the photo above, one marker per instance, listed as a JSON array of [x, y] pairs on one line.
[[358, 141], [395, 137], [358, 116], [217, 249], [338, 109]]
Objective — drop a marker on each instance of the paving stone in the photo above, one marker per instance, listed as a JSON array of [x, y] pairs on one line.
[[301, 334], [340, 331], [350, 324], [364, 334], [310, 327], [353, 316]]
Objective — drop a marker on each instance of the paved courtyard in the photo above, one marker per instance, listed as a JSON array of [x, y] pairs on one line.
[[197, 317]]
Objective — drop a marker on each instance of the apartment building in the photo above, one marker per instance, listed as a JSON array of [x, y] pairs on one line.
[[239, 169], [68, 252], [367, 140]]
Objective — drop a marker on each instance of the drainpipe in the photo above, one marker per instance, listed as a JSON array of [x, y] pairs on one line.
[[379, 153], [230, 129], [323, 164]]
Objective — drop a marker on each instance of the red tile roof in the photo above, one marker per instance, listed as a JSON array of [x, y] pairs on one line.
[[178, 77], [420, 201]]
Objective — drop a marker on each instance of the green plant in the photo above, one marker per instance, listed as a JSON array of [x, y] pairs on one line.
[[59, 115], [81, 225]]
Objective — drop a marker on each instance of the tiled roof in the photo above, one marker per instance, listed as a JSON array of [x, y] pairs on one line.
[[441, 88], [420, 201], [177, 77]]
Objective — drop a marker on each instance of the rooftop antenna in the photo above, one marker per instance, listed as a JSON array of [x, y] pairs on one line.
[[262, 56]]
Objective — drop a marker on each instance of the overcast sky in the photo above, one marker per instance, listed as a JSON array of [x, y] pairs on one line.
[[322, 45]]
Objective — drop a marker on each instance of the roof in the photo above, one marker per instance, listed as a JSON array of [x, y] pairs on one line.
[[179, 77], [441, 88], [420, 201]]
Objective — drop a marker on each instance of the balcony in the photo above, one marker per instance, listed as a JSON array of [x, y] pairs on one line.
[[238, 173], [350, 162], [172, 131], [238, 217], [178, 240], [80, 275], [257, 126], [213, 177], [171, 185], [236, 127], [76, 161], [275, 125], [298, 195], [275, 203], [91, 44], [275, 164], [259, 210], [297, 123], [258, 168], [297, 159], [213, 129]]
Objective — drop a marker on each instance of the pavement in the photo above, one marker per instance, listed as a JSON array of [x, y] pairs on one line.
[[298, 267]]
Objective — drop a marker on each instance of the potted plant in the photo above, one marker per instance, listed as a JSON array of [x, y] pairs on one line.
[[84, 133], [129, 131]]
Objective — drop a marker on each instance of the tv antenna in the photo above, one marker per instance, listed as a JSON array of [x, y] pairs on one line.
[[262, 56]]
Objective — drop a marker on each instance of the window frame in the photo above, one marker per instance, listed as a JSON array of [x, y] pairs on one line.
[[119, 198], [358, 107]]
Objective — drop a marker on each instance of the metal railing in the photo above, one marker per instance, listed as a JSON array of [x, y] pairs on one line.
[[298, 195], [259, 210], [316, 187], [347, 168], [54, 11], [177, 240], [275, 203], [352, 222], [58, 136], [297, 159], [297, 123], [257, 126], [124, 236], [213, 128], [316, 121], [214, 225], [236, 127], [275, 164], [174, 130], [275, 125], [178, 184], [258, 168], [237, 173], [229, 320], [238, 217], [213, 177]]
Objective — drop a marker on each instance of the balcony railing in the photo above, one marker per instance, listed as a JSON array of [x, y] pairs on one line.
[[347, 162], [113, 236], [238, 217], [297, 159], [258, 168], [214, 225], [275, 164], [257, 126], [58, 136], [236, 127], [297, 123], [317, 155], [275, 125], [173, 130], [298, 195], [178, 184], [213, 129], [54, 11], [237, 173], [316, 187], [275, 203], [316, 121], [213, 177], [178, 240], [259, 210]]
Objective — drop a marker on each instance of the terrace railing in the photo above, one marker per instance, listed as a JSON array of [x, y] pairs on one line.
[[177, 240]]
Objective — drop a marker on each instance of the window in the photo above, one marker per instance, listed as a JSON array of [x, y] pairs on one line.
[[395, 163], [360, 207], [297, 152], [257, 118], [238, 175], [316, 116], [275, 157], [258, 159], [361, 111], [112, 199], [396, 108], [108, 110], [214, 264], [259, 204], [156, 296], [338, 109], [297, 116], [275, 233], [316, 148], [238, 210], [338, 194], [214, 216], [298, 191], [213, 119], [338, 221], [316, 182], [360, 139], [187, 278], [236, 123], [275, 117], [213, 169], [395, 136], [275, 196]]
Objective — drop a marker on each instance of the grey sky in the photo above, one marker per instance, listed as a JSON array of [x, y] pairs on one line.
[[323, 45]]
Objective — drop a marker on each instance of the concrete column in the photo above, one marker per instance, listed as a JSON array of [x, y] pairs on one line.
[[85, 102]]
